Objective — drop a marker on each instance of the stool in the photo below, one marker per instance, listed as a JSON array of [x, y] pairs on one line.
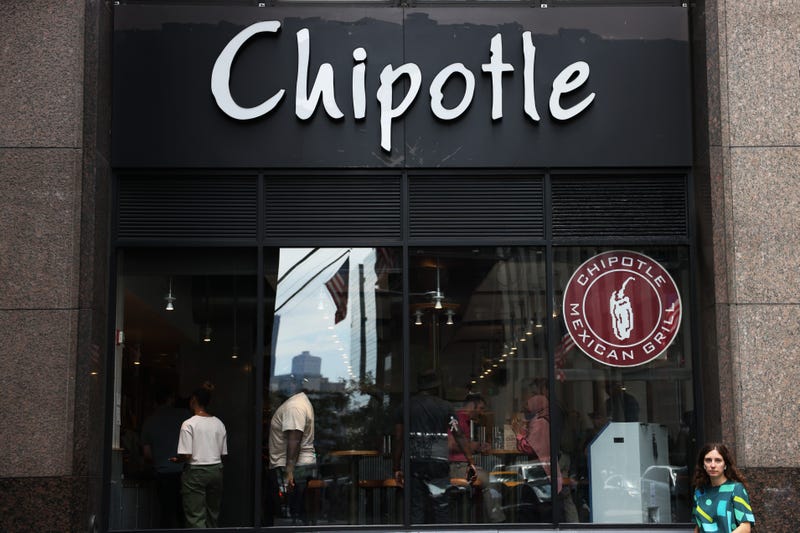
[[459, 500], [392, 501], [314, 499], [372, 491]]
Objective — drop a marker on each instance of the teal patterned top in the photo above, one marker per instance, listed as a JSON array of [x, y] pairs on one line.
[[721, 509]]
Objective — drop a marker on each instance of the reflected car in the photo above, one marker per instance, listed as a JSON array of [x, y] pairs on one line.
[[530, 473]]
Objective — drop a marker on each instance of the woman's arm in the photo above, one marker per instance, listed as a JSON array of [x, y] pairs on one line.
[[744, 527]]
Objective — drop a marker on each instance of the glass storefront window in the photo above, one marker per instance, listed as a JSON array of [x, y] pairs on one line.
[[185, 318], [336, 335], [480, 364], [478, 354], [626, 434]]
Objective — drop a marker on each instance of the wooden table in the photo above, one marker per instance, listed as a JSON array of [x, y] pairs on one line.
[[354, 456]]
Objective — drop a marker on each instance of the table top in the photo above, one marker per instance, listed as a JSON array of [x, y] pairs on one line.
[[355, 453], [504, 452]]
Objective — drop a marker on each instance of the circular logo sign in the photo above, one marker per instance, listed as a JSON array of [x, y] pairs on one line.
[[622, 308]]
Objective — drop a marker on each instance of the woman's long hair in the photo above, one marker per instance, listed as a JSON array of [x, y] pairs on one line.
[[701, 477]]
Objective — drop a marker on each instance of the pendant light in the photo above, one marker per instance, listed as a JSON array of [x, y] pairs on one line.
[[170, 298]]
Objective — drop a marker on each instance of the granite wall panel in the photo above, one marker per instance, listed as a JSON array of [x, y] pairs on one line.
[[766, 208], [37, 366], [768, 368], [39, 222], [42, 505], [774, 493], [763, 81], [41, 58]]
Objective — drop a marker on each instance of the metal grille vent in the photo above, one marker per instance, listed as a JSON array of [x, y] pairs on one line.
[[209, 208], [353, 209], [652, 206], [496, 208]]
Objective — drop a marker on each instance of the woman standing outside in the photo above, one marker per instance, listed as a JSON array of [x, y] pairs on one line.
[[202, 443], [720, 498]]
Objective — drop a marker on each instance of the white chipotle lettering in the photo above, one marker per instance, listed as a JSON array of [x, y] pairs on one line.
[[570, 79]]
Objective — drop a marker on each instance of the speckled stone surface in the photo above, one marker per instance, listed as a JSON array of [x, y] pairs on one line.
[[766, 224], [39, 222], [768, 370], [42, 505], [37, 365], [41, 60], [774, 494], [762, 63]]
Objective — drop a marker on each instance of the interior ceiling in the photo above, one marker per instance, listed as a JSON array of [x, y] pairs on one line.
[[147, 327]]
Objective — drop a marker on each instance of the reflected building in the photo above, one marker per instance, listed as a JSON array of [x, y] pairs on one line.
[[308, 367]]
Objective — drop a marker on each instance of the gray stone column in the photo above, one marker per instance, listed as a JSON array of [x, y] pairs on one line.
[[753, 134], [54, 174]]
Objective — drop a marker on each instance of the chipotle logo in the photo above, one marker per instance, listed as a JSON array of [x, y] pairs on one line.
[[622, 308]]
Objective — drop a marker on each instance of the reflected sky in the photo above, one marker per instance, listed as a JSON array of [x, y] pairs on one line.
[[306, 309]]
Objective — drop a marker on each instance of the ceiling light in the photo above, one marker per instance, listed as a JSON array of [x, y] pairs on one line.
[[418, 315], [170, 298], [437, 299], [450, 314], [207, 333]]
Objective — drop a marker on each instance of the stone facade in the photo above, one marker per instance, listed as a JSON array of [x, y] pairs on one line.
[[751, 153], [54, 99], [54, 152]]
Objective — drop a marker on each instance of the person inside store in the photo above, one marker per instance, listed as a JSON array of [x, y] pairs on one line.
[[533, 439], [160, 433], [721, 503], [621, 406], [469, 414], [292, 458], [201, 446], [432, 421]]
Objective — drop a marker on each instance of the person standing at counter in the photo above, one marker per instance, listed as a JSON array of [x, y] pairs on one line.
[[202, 444], [720, 497], [471, 412], [433, 420]]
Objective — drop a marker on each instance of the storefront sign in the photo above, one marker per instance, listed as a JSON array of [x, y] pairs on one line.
[[571, 78], [333, 87], [622, 308]]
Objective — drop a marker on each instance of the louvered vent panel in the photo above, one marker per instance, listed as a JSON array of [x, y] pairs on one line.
[[652, 206], [333, 208], [497, 208], [175, 208]]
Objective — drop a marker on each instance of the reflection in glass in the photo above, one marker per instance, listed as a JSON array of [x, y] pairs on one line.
[[626, 433], [478, 344], [335, 320], [169, 301]]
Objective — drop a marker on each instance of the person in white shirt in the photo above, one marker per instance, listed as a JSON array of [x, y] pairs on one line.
[[292, 458], [201, 445]]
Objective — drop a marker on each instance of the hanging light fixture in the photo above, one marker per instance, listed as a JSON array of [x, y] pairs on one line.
[[437, 294], [235, 349], [170, 298], [450, 314], [529, 331], [418, 316], [207, 328]]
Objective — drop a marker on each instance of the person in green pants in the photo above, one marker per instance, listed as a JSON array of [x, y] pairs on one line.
[[201, 445]]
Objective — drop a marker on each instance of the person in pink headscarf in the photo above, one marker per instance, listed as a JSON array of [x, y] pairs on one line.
[[534, 438]]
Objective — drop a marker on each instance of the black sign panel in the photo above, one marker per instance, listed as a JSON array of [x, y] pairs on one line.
[[442, 87]]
